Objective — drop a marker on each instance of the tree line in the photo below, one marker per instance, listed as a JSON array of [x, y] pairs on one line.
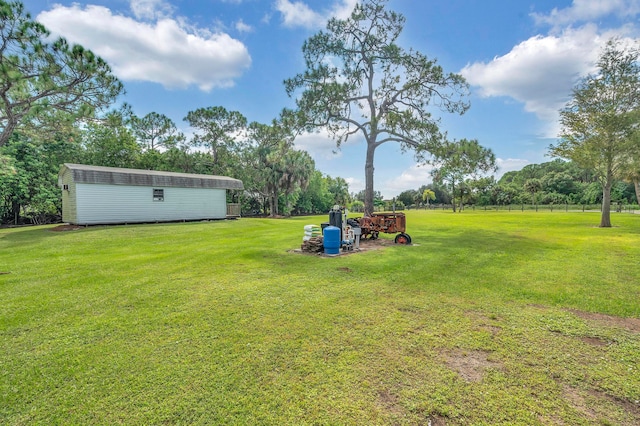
[[55, 107], [55, 100], [278, 179], [556, 182]]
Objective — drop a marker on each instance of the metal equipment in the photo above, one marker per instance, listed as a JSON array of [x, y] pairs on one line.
[[368, 227], [388, 223], [349, 233]]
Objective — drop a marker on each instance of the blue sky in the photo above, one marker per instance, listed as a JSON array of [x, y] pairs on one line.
[[521, 58]]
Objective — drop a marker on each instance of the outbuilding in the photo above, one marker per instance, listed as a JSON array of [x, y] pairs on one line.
[[102, 195]]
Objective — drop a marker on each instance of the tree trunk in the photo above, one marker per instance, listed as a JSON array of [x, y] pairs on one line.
[[287, 205], [636, 184], [605, 220], [453, 195], [273, 204], [6, 133], [368, 173], [15, 212], [276, 206]]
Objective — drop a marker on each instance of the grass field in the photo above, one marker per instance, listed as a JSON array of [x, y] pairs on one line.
[[488, 318]]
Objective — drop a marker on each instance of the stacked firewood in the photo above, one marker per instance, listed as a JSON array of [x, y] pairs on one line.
[[313, 245]]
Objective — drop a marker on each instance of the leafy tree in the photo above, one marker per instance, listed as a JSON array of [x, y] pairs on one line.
[[458, 160], [218, 130], [272, 167], [358, 80], [598, 123], [553, 198], [155, 131], [559, 182], [29, 191], [339, 190], [260, 161], [633, 176], [482, 190], [316, 198], [632, 173], [506, 193], [151, 160], [636, 184], [408, 197], [110, 143], [442, 193], [179, 159], [592, 193], [39, 77], [356, 206]]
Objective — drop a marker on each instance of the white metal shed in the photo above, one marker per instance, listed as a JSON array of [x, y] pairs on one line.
[[101, 195]]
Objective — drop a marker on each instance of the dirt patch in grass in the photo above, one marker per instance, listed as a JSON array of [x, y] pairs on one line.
[[538, 306], [470, 365], [390, 402], [579, 402], [587, 402], [631, 324], [436, 421], [594, 341], [484, 323], [365, 245], [66, 227]]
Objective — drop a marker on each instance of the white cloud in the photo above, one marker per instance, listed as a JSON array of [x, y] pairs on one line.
[[242, 27], [540, 71], [321, 145], [412, 178], [588, 10], [299, 14], [355, 185], [343, 10], [509, 165], [166, 51], [151, 9]]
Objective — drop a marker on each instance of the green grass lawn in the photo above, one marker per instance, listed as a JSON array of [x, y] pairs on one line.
[[488, 318]]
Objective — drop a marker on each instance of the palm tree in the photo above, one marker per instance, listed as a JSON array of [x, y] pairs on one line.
[[427, 195], [297, 167], [533, 185]]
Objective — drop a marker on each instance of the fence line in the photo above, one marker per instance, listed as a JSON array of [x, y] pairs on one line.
[[615, 208]]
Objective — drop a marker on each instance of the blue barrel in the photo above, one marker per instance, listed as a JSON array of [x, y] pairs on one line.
[[331, 240]]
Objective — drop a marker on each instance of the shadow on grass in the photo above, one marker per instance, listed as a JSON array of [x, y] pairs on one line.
[[37, 234], [33, 236]]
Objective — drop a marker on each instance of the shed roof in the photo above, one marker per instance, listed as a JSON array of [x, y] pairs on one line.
[[117, 176]]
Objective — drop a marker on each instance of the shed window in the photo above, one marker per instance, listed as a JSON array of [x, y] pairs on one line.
[[158, 195]]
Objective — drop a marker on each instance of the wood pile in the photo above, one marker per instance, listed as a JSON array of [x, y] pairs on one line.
[[313, 245]]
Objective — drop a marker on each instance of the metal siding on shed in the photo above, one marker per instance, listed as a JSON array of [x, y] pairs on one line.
[[69, 208], [98, 175], [127, 204]]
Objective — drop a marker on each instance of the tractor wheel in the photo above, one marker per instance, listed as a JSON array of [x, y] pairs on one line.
[[403, 238]]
